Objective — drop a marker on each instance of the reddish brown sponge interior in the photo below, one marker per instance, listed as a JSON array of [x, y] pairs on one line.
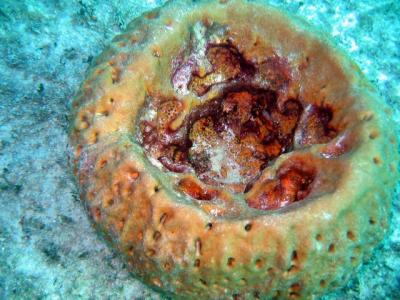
[[228, 140], [293, 182], [227, 64]]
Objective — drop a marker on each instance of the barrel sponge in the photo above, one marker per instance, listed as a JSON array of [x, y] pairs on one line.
[[229, 151]]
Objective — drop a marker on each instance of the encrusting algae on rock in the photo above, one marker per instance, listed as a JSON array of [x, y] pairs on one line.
[[231, 152]]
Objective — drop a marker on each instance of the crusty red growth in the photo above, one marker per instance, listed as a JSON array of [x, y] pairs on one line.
[[292, 183]]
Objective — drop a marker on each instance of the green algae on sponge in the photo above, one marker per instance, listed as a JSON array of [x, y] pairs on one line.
[[229, 151]]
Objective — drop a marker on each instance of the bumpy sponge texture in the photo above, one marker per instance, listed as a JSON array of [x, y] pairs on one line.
[[320, 199]]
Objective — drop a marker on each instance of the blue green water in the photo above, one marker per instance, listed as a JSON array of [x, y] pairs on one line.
[[48, 248]]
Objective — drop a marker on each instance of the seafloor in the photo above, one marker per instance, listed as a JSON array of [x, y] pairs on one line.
[[48, 248]]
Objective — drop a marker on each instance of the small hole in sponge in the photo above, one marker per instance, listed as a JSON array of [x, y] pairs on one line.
[[331, 248], [84, 118], [350, 235], [373, 134], [292, 269], [96, 213], [197, 263], [163, 218], [108, 202], [237, 297], [372, 221], [322, 283], [94, 137], [203, 281], [295, 287], [247, 227], [294, 255], [209, 226], [156, 189], [376, 160], [231, 262], [156, 235], [259, 263], [131, 251], [318, 237], [102, 163]]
